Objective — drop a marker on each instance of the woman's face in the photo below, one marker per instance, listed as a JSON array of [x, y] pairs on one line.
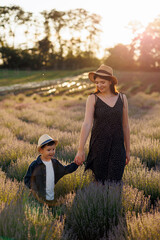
[[102, 84]]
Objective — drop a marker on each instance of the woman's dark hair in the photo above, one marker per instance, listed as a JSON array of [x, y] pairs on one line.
[[112, 86], [48, 144]]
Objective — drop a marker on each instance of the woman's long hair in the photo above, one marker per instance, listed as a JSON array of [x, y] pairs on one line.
[[112, 86]]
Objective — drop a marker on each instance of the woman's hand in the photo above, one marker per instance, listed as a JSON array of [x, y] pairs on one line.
[[79, 158], [127, 158]]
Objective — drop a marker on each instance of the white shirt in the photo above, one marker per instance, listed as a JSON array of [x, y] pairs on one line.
[[49, 180]]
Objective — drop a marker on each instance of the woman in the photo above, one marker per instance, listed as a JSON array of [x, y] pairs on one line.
[[107, 111]]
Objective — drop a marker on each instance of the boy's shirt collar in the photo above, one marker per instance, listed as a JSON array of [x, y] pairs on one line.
[[39, 160]]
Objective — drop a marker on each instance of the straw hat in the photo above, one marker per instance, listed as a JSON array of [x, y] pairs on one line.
[[104, 71], [44, 139]]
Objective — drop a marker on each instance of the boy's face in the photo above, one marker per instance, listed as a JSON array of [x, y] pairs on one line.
[[47, 152]]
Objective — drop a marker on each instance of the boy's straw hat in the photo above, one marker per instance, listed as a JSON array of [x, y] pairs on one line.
[[104, 71], [44, 139]]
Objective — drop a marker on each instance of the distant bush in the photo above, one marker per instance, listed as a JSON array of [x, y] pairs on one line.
[[13, 150], [145, 226], [134, 201], [143, 100], [148, 150], [18, 169], [8, 189], [138, 176]]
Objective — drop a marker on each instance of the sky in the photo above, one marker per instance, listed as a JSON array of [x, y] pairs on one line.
[[116, 14]]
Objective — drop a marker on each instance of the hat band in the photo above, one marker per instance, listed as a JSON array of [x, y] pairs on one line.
[[103, 71], [48, 140]]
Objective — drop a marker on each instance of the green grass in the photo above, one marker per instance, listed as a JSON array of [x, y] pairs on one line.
[[10, 77], [76, 83]]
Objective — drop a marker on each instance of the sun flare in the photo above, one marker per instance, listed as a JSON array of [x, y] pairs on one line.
[[118, 16]]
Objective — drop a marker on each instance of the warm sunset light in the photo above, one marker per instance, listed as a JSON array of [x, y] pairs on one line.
[[55, 31], [116, 15], [80, 119]]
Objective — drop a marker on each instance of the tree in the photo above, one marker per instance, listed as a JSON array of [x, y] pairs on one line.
[[20, 59], [74, 33], [45, 50], [120, 57], [149, 46], [86, 27], [58, 23], [10, 19]]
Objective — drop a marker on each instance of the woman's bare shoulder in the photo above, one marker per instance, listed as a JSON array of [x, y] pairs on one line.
[[125, 97], [91, 99]]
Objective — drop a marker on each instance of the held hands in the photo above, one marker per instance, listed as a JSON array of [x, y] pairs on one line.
[[127, 158], [79, 158]]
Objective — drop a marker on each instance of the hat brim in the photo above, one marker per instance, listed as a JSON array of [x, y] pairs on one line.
[[50, 140], [91, 76]]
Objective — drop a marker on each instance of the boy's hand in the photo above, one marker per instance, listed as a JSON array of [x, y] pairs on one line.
[[79, 158]]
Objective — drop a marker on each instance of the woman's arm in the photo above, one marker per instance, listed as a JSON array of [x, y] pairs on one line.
[[126, 130], [85, 129]]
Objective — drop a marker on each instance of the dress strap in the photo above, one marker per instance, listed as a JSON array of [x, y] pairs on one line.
[[122, 98], [95, 96]]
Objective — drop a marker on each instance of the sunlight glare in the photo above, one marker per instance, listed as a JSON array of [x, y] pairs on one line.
[[116, 15]]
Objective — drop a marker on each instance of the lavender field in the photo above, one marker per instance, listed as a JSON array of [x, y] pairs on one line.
[[84, 210]]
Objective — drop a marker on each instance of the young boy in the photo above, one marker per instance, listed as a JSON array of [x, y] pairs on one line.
[[45, 171]]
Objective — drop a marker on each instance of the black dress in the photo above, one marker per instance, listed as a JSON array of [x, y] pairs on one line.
[[107, 156]]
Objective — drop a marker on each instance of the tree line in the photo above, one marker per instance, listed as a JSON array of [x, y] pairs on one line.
[[70, 40]]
